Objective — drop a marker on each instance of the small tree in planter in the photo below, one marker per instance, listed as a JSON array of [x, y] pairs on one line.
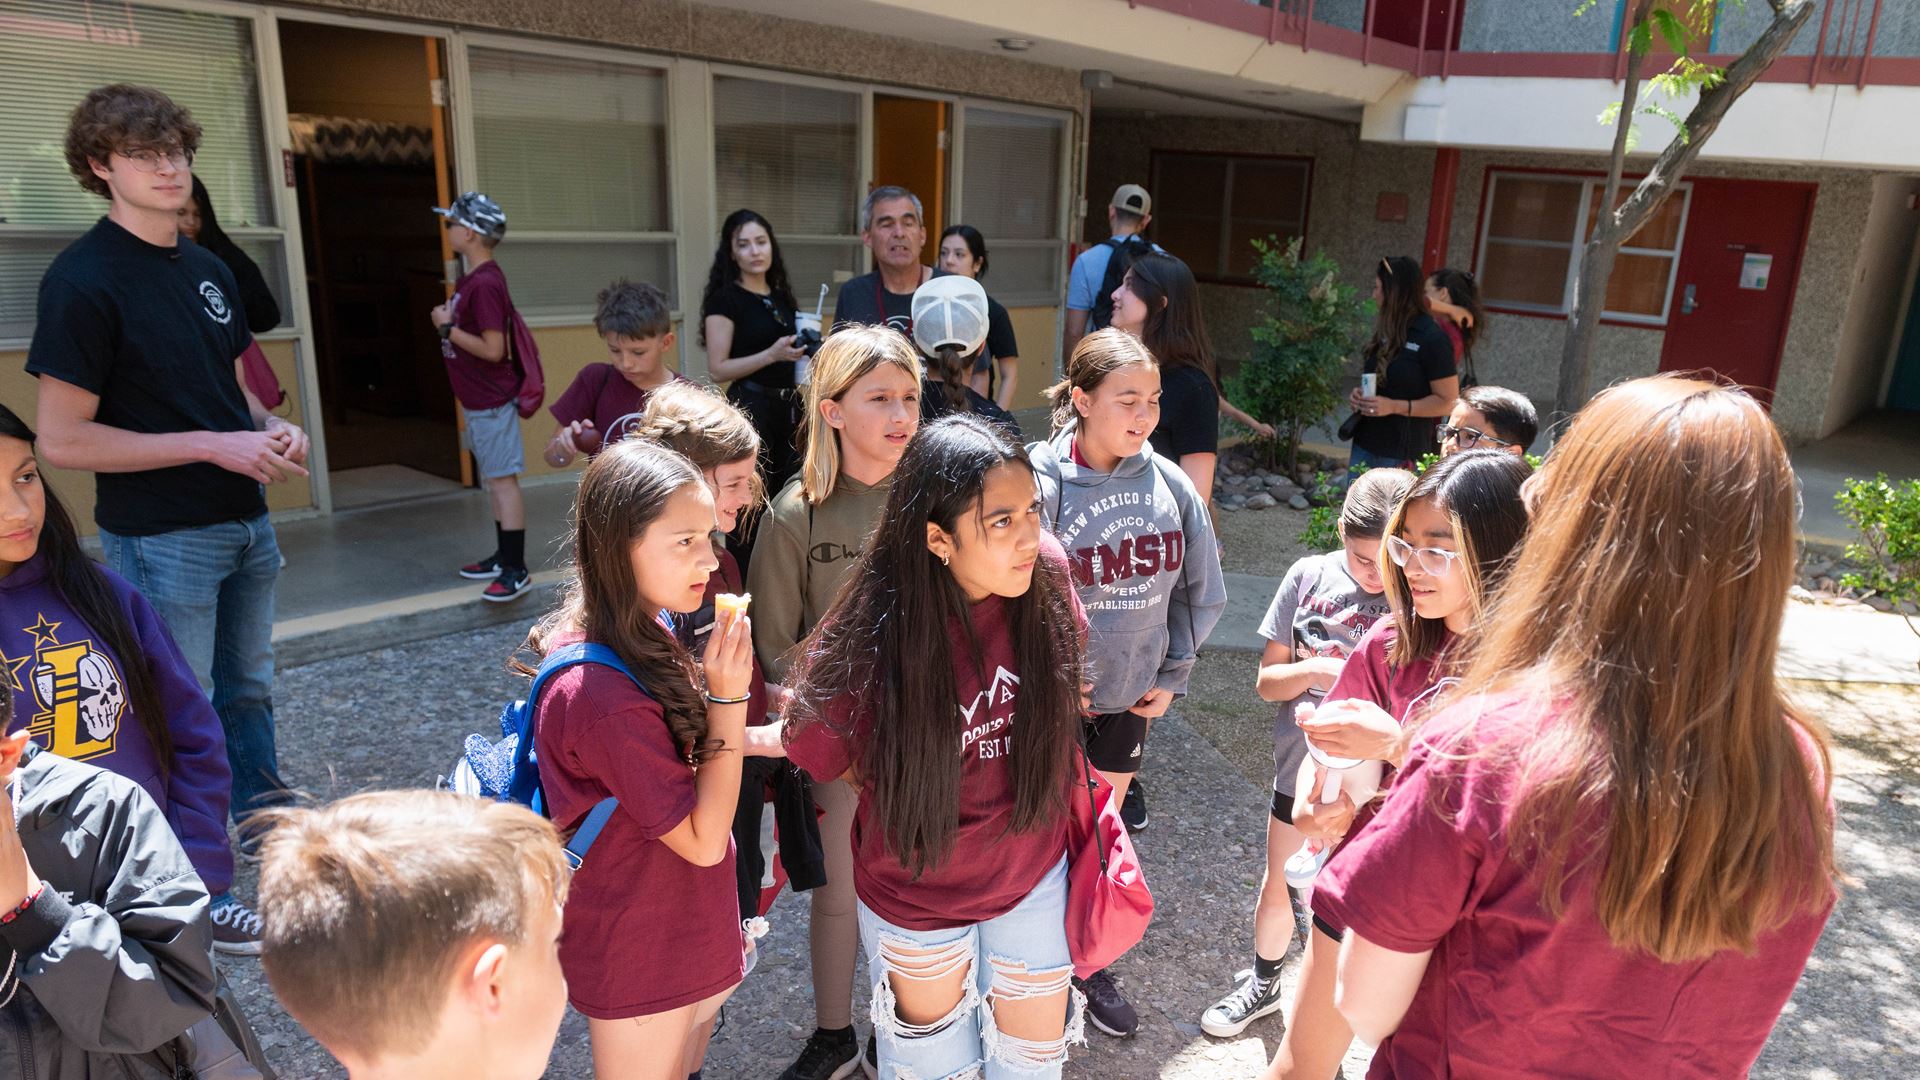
[[1314, 323], [1887, 516]]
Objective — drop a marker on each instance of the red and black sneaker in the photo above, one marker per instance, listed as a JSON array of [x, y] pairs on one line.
[[482, 570], [513, 581]]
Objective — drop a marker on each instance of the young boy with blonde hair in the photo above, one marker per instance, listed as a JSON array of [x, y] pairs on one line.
[[416, 933]]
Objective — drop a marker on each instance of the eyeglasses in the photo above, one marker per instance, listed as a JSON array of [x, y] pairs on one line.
[[1437, 562], [148, 160], [1468, 438]]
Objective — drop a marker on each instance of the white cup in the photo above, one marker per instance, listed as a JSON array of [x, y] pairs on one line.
[[1368, 384]]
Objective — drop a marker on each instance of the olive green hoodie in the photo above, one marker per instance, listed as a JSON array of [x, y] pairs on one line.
[[802, 554]]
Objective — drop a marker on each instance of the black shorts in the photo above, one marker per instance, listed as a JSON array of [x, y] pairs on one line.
[[1282, 809], [1116, 741], [1327, 928]]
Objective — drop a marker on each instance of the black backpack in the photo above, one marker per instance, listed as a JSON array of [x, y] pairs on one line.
[[1125, 250]]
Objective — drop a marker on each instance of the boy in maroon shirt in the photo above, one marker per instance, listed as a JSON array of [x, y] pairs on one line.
[[473, 326], [636, 321]]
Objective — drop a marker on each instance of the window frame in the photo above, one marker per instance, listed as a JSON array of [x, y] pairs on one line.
[[267, 80], [466, 164], [1593, 188], [957, 201], [1214, 276]]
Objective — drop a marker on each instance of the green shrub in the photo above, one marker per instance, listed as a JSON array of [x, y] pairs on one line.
[[1313, 324], [1887, 517]]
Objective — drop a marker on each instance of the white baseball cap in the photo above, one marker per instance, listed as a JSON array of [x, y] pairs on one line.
[[950, 311]]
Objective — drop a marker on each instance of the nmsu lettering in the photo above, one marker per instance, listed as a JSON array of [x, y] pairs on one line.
[[1144, 556]]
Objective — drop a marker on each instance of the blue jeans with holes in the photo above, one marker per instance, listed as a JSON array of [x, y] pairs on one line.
[[1020, 954], [214, 587]]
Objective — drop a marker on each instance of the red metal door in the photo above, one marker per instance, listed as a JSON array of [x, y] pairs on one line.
[[1739, 265]]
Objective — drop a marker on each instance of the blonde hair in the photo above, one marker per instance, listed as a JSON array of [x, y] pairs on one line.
[[851, 354], [1097, 356], [705, 428], [367, 905], [1370, 502], [1647, 604]]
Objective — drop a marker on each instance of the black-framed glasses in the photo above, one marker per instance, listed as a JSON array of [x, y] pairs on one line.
[[1467, 438], [147, 159], [1436, 562]]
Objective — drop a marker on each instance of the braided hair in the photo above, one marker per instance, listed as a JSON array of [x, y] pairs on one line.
[[705, 428]]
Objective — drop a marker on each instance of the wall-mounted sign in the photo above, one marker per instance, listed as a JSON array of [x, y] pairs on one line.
[[1754, 270]]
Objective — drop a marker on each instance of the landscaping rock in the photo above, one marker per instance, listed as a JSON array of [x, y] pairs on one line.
[[1262, 501], [1298, 502]]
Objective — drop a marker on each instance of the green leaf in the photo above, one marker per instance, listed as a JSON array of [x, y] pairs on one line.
[[1640, 40], [1679, 122], [1585, 6], [1670, 29]]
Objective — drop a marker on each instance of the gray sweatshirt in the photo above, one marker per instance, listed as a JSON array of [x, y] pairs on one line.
[[1144, 560], [116, 956]]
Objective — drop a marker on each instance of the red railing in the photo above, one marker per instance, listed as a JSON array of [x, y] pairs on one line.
[[1843, 51]]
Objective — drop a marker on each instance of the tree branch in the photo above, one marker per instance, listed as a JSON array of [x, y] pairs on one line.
[[1788, 17]]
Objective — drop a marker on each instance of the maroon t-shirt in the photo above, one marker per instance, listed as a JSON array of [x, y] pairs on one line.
[[645, 930], [990, 868], [480, 304], [1510, 991], [1368, 676], [602, 395]]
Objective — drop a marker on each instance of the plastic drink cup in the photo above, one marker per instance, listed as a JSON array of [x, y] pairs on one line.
[[1368, 384], [803, 323]]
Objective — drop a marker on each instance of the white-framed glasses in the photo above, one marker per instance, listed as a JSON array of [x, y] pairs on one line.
[[1436, 562]]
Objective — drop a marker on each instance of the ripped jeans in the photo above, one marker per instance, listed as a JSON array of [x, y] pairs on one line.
[[1018, 955]]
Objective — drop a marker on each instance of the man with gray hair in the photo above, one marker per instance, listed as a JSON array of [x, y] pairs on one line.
[[894, 228]]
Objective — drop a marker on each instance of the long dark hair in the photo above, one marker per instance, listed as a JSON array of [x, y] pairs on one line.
[[892, 618], [624, 490], [725, 271], [1175, 331], [1464, 292], [1479, 492], [1402, 301], [976, 246], [83, 585]]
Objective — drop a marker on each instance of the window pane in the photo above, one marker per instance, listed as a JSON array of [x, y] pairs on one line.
[[561, 277], [1532, 208], [811, 264], [1269, 199], [1639, 285], [1026, 274], [1011, 176], [1662, 230], [570, 145], [23, 259], [790, 152], [268, 253], [53, 51], [1188, 193], [1524, 274]]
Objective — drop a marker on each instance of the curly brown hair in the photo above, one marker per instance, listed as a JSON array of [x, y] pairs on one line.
[[124, 117]]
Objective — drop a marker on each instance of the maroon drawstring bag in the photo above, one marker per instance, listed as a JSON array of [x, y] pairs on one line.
[[1108, 905], [260, 377]]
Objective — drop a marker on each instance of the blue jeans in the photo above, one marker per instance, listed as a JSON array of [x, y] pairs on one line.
[[214, 587], [1017, 955]]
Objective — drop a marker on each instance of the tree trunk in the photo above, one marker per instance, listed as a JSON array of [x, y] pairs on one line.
[[1614, 227]]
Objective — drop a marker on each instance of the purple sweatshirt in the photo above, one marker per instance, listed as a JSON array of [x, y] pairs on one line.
[[73, 693]]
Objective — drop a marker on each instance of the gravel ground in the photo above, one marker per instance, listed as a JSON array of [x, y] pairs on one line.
[[343, 729], [1264, 542]]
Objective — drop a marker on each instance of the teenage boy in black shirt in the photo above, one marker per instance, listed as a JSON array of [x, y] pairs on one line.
[[137, 346]]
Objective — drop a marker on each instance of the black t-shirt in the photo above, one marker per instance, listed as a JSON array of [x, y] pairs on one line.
[[863, 300], [1426, 358], [1000, 341], [1189, 414], [154, 332], [933, 406], [758, 322]]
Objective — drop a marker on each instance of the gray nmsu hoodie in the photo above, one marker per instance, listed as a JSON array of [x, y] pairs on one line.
[[115, 959], [1144, 560]]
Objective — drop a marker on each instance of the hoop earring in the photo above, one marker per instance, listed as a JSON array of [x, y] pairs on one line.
[[946, 560]]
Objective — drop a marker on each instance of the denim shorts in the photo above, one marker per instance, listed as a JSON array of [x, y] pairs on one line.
[[1029, 941], [494, 437]]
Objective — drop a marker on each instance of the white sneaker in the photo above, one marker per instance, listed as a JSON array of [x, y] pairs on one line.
[[1304, 865]]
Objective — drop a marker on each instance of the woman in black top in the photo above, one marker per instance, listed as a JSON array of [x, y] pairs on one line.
[[1412, 361], [963, 251], [198, 224], [1159, 303], [747, 326]]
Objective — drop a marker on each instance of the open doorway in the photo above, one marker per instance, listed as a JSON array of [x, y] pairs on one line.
[[910, 150], [370, 161]]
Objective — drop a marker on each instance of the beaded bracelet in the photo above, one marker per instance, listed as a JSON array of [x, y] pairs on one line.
[[24, 904]]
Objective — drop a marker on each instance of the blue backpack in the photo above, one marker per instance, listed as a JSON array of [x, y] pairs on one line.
[[509, 770]]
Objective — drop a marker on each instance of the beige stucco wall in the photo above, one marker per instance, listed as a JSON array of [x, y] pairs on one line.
[[18, 391], [712, 33]]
